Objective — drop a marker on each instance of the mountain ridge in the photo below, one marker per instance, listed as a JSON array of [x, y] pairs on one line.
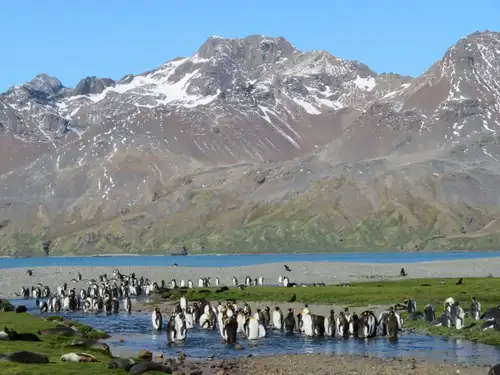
[[252, 145]]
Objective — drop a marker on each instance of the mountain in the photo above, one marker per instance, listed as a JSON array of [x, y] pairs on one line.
[[253, 145]]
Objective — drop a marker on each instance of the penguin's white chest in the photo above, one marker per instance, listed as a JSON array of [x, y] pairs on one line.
[[307, 325], [277, 322]]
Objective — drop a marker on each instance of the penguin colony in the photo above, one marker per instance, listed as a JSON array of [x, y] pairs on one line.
[[109, 293], [230, 320], [104, 296]]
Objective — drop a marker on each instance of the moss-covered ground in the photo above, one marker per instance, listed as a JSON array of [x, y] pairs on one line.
[[52, 345]]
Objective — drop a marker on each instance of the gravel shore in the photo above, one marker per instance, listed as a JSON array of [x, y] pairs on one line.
[[327, 364], [324, 364], [11, 279]]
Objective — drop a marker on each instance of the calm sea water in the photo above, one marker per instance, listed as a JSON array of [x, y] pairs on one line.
[[240, 260]]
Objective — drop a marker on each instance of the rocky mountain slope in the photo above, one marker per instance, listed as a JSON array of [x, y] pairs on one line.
[[252, 145]]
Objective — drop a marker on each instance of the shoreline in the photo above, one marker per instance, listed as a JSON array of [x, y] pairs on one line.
[[330, 273], [349, 364], [344, 252]]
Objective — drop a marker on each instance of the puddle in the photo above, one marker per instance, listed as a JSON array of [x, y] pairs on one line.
[[136, 332]]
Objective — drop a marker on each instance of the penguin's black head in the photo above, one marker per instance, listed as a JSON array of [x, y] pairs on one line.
[[259, 310], [332, 311], [277, 308], [290, 310], [306, 305], [172, 317], [267, 308], [346, 309]]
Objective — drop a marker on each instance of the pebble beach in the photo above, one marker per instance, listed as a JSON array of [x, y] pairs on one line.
[[11, 279]]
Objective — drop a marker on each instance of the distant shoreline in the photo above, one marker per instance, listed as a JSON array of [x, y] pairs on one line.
[[11, 279], [374, 252]]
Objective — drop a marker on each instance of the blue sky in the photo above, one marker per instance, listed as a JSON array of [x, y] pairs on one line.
[[72, 39]]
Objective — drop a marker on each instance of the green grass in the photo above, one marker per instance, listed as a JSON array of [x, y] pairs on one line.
[[384, 293], [54, 346]]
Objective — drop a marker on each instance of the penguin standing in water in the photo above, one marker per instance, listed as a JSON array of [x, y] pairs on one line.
[[307, 323], [115, 304], [267, 316], [398, 317], [347, 314], [156, 318], [300, 323], [354, 325], [44, 307], [253, 329], [171, 331], [290, 322], [231, 330], [107, 304], [278, 318], [330, 324], [259, 315], [247, 309], [127, 304], [342, 325], [207, 320], [392, 326], [318, 322], [180, 327], [475, 309]]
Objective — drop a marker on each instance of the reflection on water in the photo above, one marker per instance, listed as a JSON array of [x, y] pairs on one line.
[[133, 332]]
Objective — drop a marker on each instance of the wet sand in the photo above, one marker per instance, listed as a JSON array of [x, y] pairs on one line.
[[11, 279]]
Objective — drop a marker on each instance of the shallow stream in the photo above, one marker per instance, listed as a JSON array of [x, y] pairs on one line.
[[132, 332]]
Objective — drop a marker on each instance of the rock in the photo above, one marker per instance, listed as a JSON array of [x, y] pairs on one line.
[[21, 309], [145, 354], [175, 372]]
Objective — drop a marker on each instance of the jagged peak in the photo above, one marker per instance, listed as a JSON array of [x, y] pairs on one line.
[[92, 85], [44, 83], [262, 49]]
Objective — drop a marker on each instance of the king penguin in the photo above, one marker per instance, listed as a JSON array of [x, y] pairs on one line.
[[156, 318], [278, 318], [290, 322]]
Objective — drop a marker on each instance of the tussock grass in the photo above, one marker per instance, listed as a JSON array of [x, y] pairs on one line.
[[52, 345]]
